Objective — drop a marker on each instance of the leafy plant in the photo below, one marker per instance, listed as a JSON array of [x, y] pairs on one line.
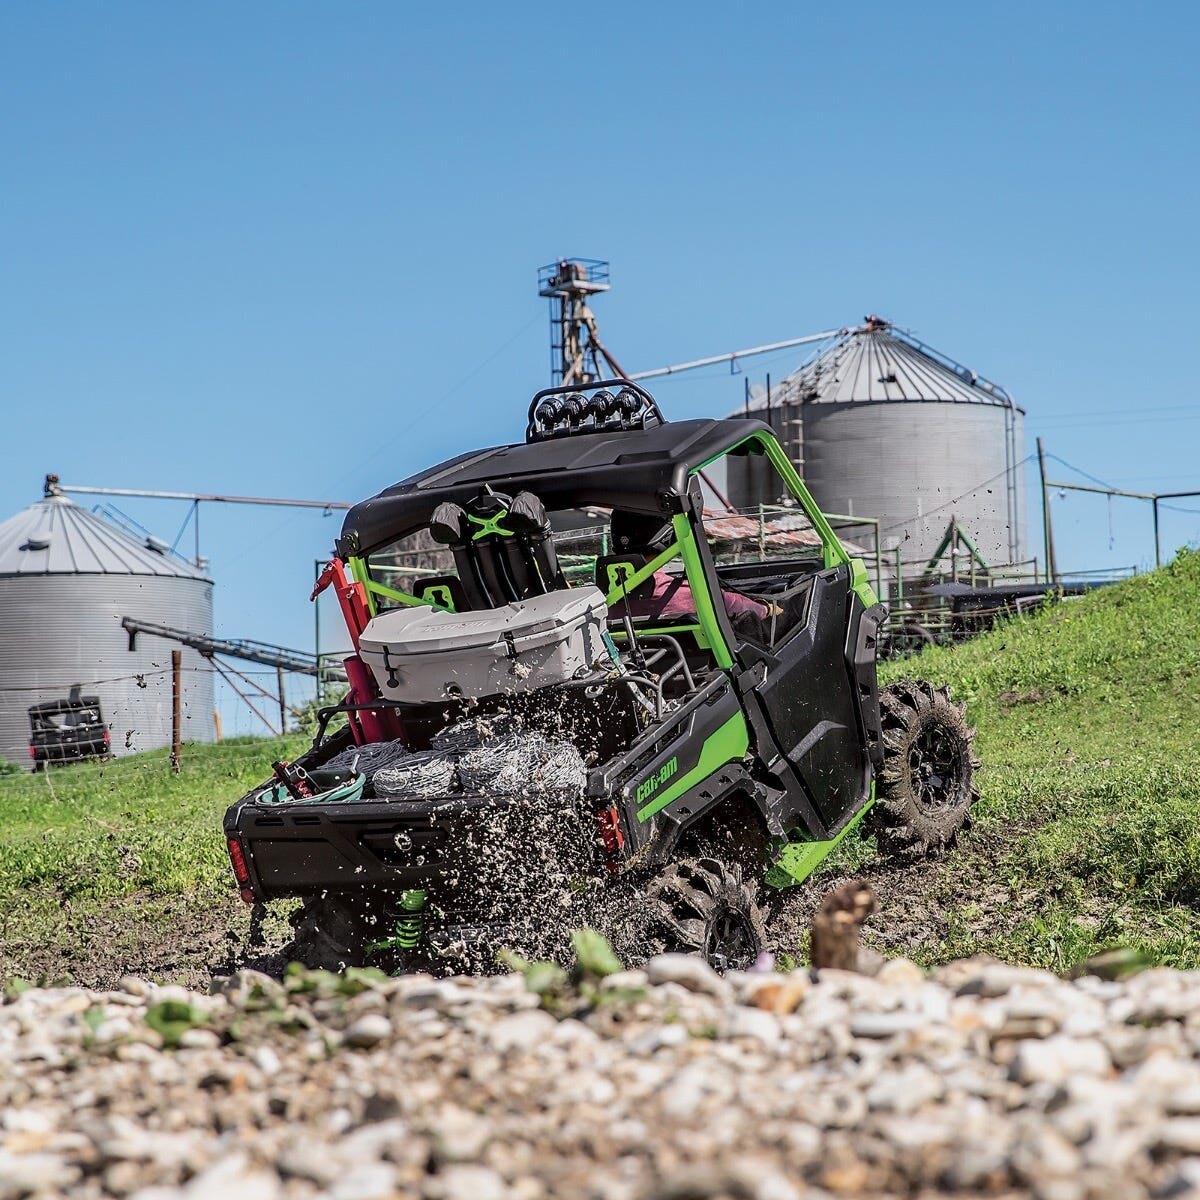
[[171, 1019]]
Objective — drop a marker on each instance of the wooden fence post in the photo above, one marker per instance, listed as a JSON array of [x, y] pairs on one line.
[[176, 709]]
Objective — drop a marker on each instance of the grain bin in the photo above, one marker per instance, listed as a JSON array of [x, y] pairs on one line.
[[880, 425], [67, 577]]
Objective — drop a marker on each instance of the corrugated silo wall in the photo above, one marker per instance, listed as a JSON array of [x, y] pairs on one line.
[[60, 630], [905, 463]]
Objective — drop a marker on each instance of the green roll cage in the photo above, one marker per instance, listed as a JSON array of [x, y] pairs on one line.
[[706, 629]]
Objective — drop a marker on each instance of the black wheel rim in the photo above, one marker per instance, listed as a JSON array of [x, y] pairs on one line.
[[936, 767], [730, 943]]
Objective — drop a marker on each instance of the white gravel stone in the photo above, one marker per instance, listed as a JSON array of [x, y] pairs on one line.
[[753, 1023], [267, 1061], [468, 1183], [1056, 1059], [900, 972], [1181, 1134], [978, 1079], [29, 1174], [688, 971], [885, 1024], [369, 1030], [522, 1031]]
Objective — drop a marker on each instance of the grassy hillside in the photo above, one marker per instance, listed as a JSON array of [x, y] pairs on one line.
[[1089, 728], [122, 860]]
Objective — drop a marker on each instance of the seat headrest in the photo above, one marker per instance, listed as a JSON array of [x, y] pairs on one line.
[[613, 569]]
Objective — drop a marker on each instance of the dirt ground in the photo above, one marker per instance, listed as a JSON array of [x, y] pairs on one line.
[[188, 939], [183, 939]]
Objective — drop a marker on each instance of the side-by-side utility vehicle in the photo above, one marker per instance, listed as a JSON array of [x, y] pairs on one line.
[[696, 685]]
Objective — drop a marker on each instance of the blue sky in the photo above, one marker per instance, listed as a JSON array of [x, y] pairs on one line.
[[291, 249]]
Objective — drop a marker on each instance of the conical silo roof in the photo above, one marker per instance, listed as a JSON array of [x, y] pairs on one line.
[[876, 363], [58, 537]]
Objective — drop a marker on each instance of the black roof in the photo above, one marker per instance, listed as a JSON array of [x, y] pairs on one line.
[[641, 469]]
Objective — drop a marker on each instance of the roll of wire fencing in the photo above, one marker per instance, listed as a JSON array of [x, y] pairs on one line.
[[427, 775], [482, 754], [525, 764]]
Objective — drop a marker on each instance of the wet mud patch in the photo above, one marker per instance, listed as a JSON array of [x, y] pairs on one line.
[[921, 907]]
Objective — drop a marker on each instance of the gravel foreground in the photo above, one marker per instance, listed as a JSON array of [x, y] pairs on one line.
[[667, 1083]]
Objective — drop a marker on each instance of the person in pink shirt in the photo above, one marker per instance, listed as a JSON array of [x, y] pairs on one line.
[[671, 597]]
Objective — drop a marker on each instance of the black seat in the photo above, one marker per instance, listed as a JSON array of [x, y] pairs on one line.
[[613, 569], [502, 548], [446, 591]]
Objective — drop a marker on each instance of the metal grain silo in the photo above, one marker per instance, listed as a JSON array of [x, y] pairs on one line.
[[67, 577], [881, 425]]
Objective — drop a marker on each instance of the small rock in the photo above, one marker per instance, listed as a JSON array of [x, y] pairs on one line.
[[134, 986], [624, 981], [267, 1061], [1183, 1103], [1180, 1134], [521, 1030], [111, 1031], [688, 971], [659, 1037], [459, 1135], [743, 1022], [467, 1183], [778, 994], [885, 1024], [199, 1039], [1057, 1059], [303, 1160], [369, 1030], [900, 972], [233, 1176], [34, 1174], [367, 1181]]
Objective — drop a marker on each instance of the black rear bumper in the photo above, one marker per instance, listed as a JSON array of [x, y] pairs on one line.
[[381, 845]]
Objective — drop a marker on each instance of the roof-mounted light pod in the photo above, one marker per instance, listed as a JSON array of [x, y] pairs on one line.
[[591, 408]]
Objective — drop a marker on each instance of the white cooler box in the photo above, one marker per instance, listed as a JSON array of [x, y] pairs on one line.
[[423, 655]]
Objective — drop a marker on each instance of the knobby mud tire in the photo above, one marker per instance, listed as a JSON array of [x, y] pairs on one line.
[[329, 933], [703, 906], [926, 785]]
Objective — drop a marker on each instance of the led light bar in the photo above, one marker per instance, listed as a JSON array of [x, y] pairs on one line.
[[591, 408]]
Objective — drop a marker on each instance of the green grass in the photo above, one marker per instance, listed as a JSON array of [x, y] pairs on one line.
[[1089, 721], [107, 868], [95, 831]]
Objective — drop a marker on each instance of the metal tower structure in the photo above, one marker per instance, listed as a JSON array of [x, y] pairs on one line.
[[576, 352]]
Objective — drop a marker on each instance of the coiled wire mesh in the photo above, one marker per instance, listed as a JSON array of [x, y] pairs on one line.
[[424, 776], [370, 758], [481, 754], [523, 764]]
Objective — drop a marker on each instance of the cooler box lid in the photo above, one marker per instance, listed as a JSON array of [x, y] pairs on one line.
[[425, 630]]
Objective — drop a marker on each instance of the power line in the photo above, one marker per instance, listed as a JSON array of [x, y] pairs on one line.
[[950, 503], [1081, 471]]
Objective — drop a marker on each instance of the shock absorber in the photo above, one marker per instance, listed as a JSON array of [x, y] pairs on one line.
[[410, 921]]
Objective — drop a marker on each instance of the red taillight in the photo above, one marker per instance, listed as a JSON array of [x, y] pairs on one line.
[[107, 739], [33, 752], [237, 856], [612, 837]]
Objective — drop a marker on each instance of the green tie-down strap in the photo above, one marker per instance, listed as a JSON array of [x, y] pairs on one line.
[[351, 791]]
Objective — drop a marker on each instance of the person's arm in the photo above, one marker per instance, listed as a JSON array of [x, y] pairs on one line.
[[738, 605]]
